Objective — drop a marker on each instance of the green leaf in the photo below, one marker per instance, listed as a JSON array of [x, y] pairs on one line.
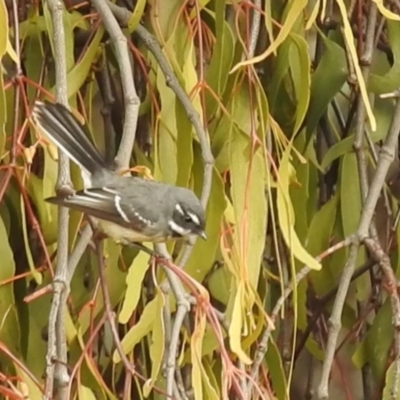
[[219, 284], [77, 75], [3, 28], [280, 71], [379, 340], [248, 176], [337, 150], [184, 126], [9, 325], [299, 193], [40, 189], [157, 345], [350, 196], [273, 360], [217, 72], [36, 275], [327, 80], [318, 240], [3, 116], [389, 382], [286, 215], [166, 167], [33, 67], [37, 24], [300, 70], [389, 81], [85, 393], [115, 279], [205, 250]]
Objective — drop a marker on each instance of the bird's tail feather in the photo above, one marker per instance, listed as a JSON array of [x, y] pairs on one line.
[[68, 134]]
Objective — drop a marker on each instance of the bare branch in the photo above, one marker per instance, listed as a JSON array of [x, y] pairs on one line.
[[57, 374], [131, 99]]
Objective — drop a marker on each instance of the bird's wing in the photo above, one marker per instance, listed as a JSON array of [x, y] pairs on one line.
[[107, 204]]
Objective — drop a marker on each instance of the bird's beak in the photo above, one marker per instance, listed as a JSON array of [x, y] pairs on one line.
[[203, 235]]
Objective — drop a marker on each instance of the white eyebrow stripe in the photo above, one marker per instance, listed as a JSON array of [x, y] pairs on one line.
[[177, 228], [194, 217], [179, 208], [117, 202]]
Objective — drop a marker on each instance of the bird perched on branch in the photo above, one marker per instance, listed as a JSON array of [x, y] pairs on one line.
[[127, 209]]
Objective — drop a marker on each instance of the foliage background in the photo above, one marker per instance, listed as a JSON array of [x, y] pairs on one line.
[[297, 99]]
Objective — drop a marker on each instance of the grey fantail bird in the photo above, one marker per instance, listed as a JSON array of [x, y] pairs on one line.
[[127, 209]]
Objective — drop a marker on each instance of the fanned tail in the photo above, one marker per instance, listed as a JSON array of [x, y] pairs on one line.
[[68, 134]]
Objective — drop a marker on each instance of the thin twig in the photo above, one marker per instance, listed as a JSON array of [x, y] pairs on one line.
[[131, 99], [57, 374], [255, 27]]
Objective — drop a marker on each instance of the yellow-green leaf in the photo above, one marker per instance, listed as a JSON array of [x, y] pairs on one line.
[[196, 347], [136, 16], [348, 33], [166, 167], [205, 250], [4, 28], [157, 345], [9, 325], [139, 330], [300, 70], [235, 327], [286, 215], [78, 74], [385, 11], [249, 201], [84, 393], [134, 279], [294, 10]]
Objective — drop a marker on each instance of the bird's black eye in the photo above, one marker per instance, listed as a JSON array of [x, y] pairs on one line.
[[188, 218]]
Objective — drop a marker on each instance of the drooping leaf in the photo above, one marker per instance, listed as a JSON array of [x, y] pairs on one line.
[[139, 330], [379, 340], [352, 51], [134, 284], [389, 81], [3, 28], [300, 71], [337, 150], [157, 346], [166, 167], [206, 250], [78, 74], [221, 60], [136, 16], [9, 326], [286, 216], [293, 11], [327, 80]]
